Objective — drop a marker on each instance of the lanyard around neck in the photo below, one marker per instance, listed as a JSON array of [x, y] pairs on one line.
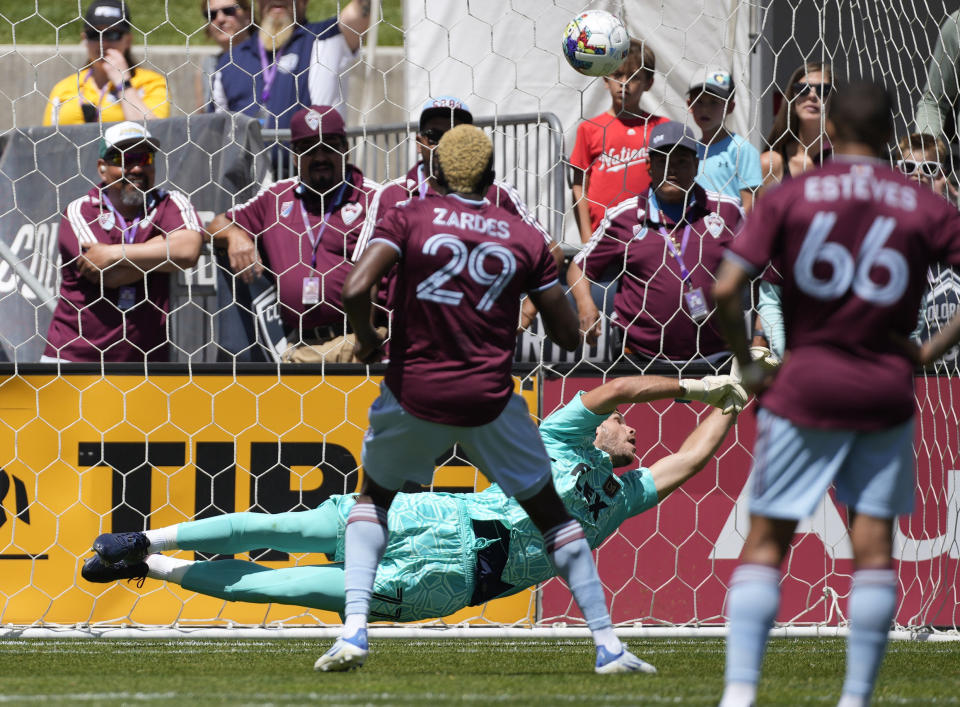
[[103, 91], [269, 69], [315, 240], [129, 230], [654, 206], [678, 254]]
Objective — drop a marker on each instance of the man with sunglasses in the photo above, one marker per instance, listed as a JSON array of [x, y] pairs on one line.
[[111, 87], [118, 244], [290, 63], [300, 232]]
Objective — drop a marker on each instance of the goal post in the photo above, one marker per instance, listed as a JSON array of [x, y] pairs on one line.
[[88, 448]]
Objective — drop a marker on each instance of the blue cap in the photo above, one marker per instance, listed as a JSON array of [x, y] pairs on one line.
[[666, 136], [717, 82], [443, 106]]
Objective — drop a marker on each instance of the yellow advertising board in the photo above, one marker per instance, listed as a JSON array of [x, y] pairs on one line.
[[86, 454]]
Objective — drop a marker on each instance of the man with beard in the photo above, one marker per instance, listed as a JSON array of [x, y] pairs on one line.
[[301, 232], [289, 63], [117, 244]]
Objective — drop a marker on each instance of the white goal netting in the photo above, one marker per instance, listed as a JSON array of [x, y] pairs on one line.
[[224, 427]]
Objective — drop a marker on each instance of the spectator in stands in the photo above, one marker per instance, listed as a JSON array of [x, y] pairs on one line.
[[609, 156], [797, 139], [229, 25], [921, 157], [936, 112], [301, 232], [728, 163], [437, 116], [117, 245], [112, 86], [290, 64], [666, 244]]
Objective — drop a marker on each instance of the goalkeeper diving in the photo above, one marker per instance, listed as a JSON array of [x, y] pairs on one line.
[[447, 551]]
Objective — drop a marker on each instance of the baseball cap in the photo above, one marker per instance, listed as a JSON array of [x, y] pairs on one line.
[[117, 136], [315, 122], [671, 134], [716, 82], [108, 13], [442, 106]]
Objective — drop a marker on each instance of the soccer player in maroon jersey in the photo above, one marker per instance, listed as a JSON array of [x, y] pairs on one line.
[[118, 245], [437, 116], [463, 264], [853, 239]]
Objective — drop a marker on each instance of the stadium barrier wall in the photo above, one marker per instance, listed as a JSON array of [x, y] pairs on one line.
[[90, 453], [672, 565]]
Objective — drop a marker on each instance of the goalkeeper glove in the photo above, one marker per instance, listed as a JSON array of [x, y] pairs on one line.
[[724, 392], [763, 363]]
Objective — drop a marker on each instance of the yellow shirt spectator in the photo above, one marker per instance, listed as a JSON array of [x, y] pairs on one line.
[[110, 87], [69, 96]]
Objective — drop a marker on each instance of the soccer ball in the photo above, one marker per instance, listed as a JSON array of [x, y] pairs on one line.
[[595, 43]]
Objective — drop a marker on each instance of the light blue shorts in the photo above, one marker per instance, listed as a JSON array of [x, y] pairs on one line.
[[400, 447], [874, 472]]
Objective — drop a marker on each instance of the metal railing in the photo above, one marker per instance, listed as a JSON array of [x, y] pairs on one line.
[[528, 153]]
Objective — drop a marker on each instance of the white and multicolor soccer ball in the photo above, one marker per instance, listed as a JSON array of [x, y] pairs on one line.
[[595, 43]]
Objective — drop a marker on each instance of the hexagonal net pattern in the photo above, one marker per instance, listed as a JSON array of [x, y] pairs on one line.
[[177, 358]]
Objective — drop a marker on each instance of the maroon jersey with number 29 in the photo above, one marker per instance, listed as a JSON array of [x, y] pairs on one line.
[[463, 268], [855, 239]]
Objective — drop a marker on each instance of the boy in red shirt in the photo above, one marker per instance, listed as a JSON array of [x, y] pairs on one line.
[[610, 153]]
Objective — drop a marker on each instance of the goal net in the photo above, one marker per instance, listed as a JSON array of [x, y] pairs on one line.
[[225, 427]]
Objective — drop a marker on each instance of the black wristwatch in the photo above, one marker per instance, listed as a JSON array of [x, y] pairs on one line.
[[127, 84]]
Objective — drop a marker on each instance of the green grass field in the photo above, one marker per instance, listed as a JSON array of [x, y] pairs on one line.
[[440, 672], [163, 21]]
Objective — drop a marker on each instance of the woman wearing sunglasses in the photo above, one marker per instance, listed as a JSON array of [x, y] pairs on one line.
[[228, 24], [111, 87], [797, 140]]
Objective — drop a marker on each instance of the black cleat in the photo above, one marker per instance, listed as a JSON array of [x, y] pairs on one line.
[[97, 571], [126, 548]]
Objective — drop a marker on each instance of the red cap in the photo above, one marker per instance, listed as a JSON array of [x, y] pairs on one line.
[[315, 122]]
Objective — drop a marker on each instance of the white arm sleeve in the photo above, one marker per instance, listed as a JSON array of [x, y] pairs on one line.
[[770, 309]]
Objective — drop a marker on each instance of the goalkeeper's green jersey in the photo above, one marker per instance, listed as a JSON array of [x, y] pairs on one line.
[[447, 551]]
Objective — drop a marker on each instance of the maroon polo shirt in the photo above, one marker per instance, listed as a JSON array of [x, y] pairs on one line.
[[642, 243], [292, 251], [462, 270], [854, 239], [128, 323]]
